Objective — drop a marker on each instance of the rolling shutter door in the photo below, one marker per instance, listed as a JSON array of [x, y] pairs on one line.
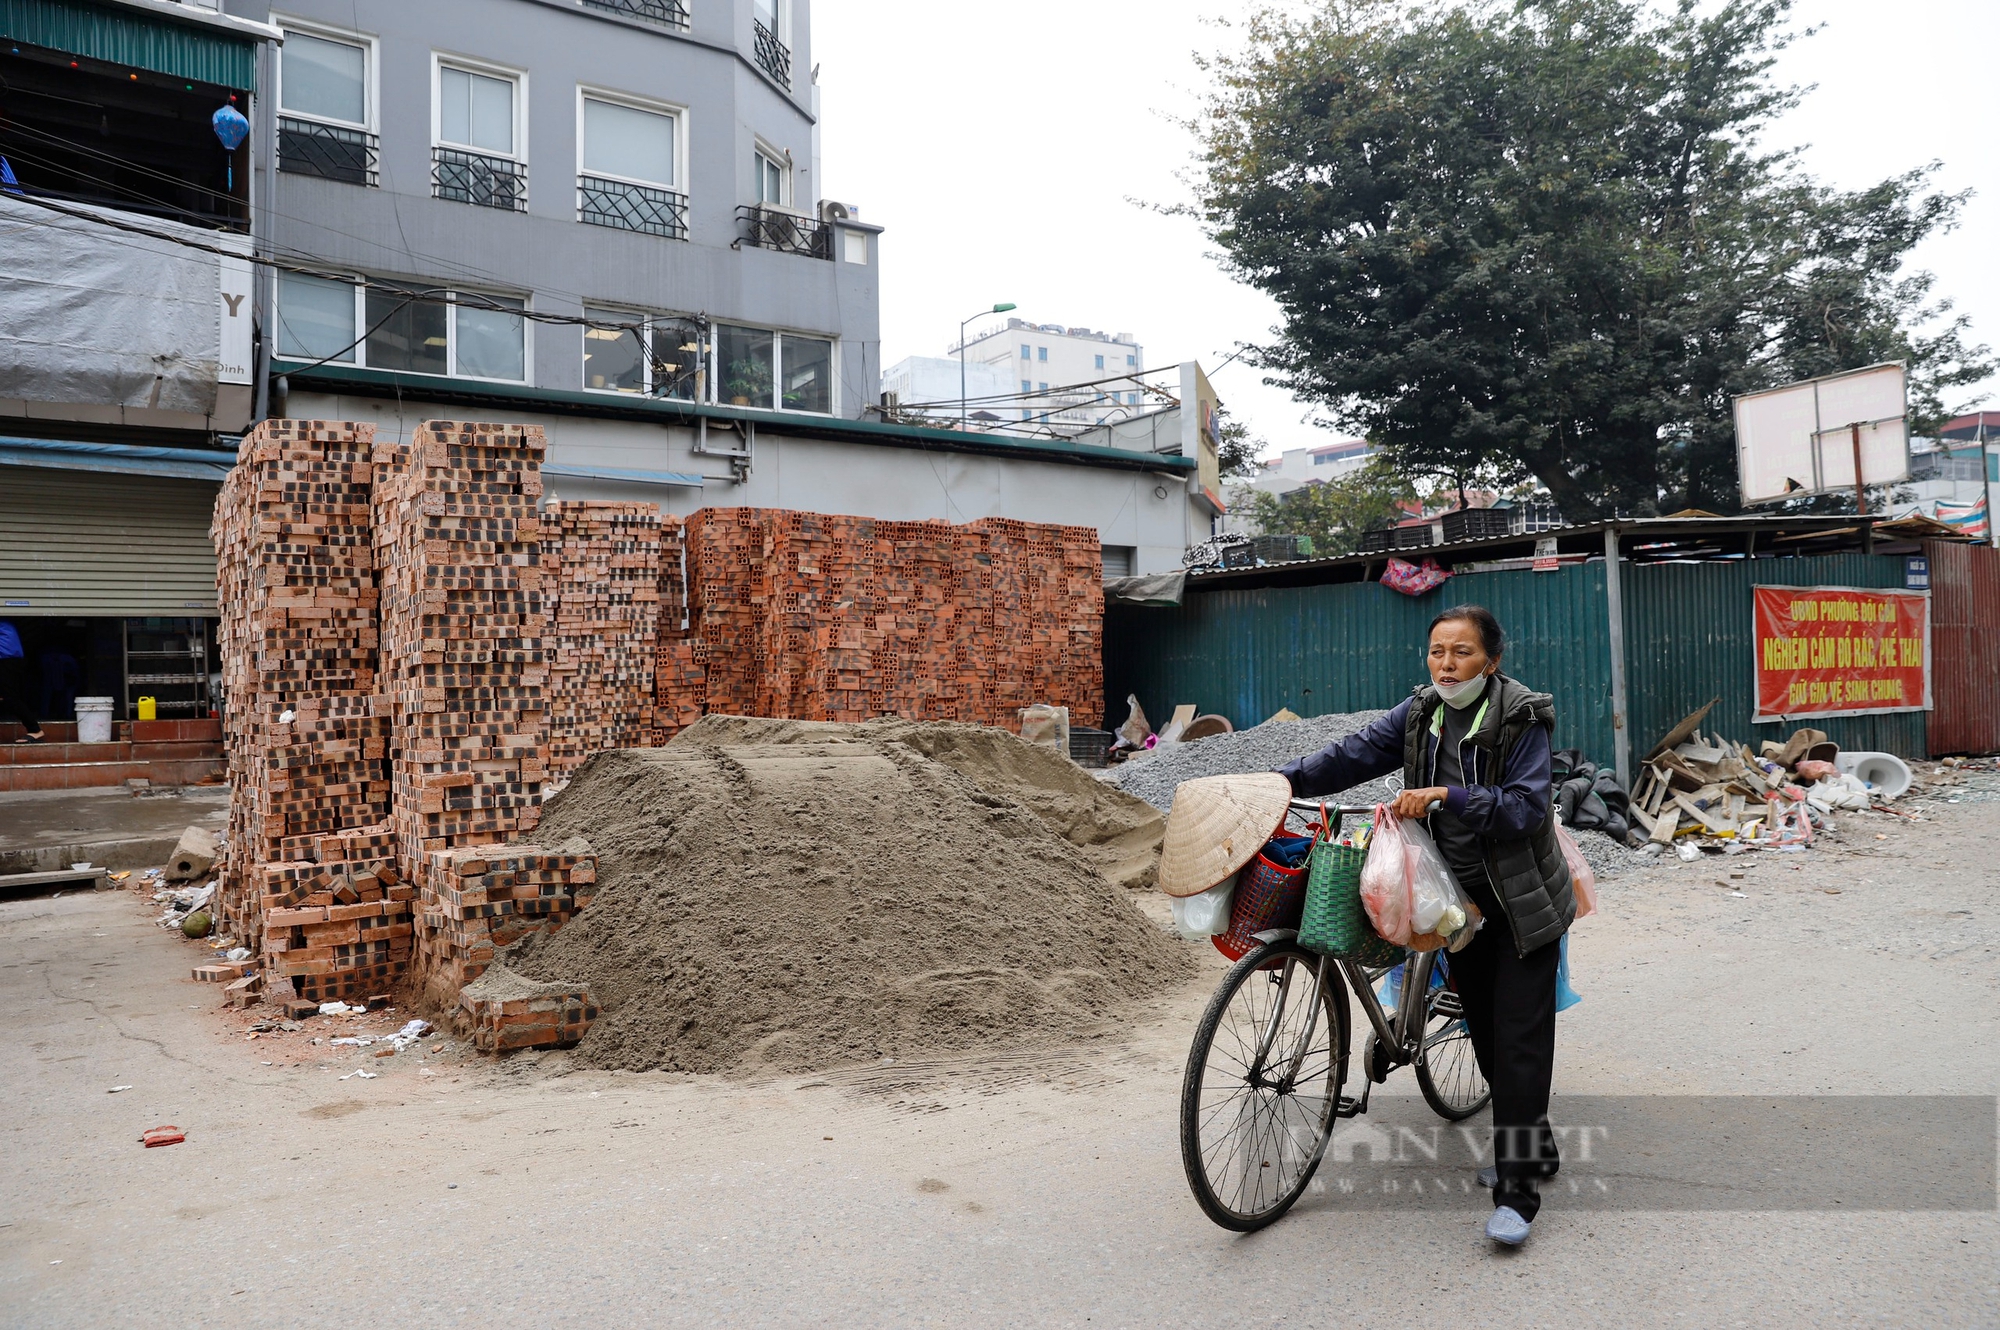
[[96, 544]]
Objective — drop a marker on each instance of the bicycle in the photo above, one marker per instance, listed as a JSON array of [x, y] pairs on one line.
[[1256, 1120]]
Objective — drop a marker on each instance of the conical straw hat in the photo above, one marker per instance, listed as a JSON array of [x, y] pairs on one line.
[[1218, 824]]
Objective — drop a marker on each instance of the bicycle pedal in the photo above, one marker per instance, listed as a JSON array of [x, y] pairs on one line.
[[1350, 1107]]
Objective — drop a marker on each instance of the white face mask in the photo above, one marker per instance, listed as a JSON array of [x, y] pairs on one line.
[[1462, 695]]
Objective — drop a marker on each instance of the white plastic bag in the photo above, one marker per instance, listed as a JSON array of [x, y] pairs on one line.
[[1206, 913], [1409, 891]]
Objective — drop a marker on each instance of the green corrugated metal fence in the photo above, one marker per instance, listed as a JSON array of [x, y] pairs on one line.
[[1351, 646], [1688, 637], [1358, 645], [131, 37]]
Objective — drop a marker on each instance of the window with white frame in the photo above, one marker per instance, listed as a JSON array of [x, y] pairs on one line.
[[394, 326], [479, 154], [630, 175], [774, 371], [326, 106], [773, 178], [658, 355]]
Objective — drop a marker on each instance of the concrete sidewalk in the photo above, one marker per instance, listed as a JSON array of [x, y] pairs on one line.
[[45, 830]]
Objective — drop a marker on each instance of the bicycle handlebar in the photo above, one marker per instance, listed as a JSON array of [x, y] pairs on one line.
[[1348, 810]]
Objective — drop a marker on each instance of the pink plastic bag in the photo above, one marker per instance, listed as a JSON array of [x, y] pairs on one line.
[[1385, 878], [1582, 878], [1408, 889], [1406, 577]]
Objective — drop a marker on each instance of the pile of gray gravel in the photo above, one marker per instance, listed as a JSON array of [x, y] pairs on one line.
[[1155, 776]]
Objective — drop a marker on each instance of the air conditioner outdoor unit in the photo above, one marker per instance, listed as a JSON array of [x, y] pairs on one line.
[[831, 211]]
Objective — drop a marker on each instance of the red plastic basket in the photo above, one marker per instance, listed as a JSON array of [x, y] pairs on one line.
[[1268, 895]]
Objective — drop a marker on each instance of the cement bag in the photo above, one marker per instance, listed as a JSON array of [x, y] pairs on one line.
[[1206, 913], [1582, 877], [1048, 725]]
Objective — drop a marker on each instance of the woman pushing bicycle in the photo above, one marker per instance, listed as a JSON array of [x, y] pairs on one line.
[[1478, 742]]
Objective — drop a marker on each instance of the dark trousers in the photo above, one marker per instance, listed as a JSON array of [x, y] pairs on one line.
[[1510, 1011], [14, 692]]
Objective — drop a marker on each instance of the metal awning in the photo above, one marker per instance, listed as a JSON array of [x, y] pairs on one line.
[[121, 458], [202, 45]]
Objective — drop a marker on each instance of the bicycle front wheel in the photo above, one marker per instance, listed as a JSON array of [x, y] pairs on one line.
[[1262, 1085]]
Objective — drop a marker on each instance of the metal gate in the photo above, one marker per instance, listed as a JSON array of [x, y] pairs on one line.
[[99, 544], [1965, 647]]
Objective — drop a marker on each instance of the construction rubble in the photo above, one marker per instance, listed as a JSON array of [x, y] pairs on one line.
[[417, 651], [1698, 792]]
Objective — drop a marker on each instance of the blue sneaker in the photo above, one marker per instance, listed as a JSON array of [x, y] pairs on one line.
[[1506, 1226], [1489, 1177]]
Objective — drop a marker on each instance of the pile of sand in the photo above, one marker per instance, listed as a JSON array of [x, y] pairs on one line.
[[800, 904], [1118, 832]]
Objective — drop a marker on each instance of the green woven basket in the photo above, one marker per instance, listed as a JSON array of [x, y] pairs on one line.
[[1334, 921]]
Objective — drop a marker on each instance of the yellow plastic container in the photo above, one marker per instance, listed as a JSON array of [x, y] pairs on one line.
[[148, 709]]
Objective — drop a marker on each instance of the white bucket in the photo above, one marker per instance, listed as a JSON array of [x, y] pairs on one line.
[[93, 720], [1889, 774]]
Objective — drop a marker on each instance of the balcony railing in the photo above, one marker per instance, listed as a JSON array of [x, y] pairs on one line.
[[330, 152], [772, 54], [666, 13], [773, 228], [629, 207], [483, 181]]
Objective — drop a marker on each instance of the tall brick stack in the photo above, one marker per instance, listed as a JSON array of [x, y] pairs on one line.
[[458, 539], [465, 630], [679, 672], [821, 617], [602, 564], [306, 732]]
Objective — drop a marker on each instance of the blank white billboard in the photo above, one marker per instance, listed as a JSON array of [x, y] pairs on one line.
[[1799, 439]]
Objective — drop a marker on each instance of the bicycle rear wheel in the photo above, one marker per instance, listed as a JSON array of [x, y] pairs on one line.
[[1262, 1084], [1447, 1070]]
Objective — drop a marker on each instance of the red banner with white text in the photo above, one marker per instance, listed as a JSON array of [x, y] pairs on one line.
[[1841, 651]]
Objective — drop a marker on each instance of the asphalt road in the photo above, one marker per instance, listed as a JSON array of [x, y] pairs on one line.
[[1033, 1187]]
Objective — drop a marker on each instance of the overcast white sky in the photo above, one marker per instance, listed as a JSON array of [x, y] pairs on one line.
[[1003, 146]]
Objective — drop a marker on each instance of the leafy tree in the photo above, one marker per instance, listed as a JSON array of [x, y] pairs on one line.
[[1240, 448], [1538, 238], [1333, 512]]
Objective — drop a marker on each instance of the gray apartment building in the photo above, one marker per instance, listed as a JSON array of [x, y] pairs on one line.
[[605, 217]]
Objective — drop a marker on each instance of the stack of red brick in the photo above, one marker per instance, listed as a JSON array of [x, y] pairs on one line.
[[493, 895], [306, 734], [819, 617], [465, 625], [601, 562]]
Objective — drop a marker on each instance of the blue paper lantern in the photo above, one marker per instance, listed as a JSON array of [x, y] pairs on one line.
[[230, 127]]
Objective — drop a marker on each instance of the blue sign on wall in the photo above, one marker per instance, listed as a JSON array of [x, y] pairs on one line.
[[1917, 573]]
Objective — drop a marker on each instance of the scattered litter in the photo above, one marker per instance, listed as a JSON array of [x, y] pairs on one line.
[[117, 1088], [364, 1075], [337, 1008], [1740, 895], [81, 868], [159, 1136]]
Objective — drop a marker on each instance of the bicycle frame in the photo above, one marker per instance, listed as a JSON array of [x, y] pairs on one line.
[[1397, 1031]]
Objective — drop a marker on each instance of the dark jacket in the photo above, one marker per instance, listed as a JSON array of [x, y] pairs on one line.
[[1506, 798]]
